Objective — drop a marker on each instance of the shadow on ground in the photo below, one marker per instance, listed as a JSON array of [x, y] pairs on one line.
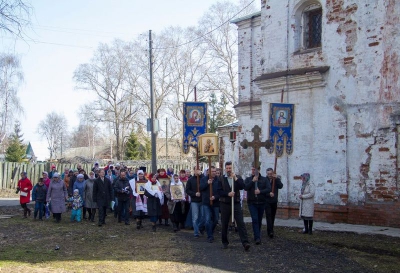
[[86, 247]]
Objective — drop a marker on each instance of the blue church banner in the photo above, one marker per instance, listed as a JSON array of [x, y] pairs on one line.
[[194, 123], [281, 120]]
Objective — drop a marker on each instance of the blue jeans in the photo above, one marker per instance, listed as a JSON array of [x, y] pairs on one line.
[[39, 207], [153, 219], [211, 216], [256, 213], [197, 217]]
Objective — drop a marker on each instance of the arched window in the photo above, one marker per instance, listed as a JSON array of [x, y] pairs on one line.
[[312, 26], [308, 22]]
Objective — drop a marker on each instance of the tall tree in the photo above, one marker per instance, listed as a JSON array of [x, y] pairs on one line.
[[54, 129], [11, 77], [106, 76], [221, 38], [14, 16], [16, 149], [132, 147], [218, 113]]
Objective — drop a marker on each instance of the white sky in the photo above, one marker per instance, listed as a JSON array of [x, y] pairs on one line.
[[82, 24]]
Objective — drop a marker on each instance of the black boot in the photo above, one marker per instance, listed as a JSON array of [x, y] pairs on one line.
[[305, 231], [84, 213], [166, 223], [154, 227], [175, 225], [310, 224], [93, 214], [138, 224]]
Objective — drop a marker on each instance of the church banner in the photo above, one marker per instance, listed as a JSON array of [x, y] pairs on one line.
[[281, 120], [194, 123]]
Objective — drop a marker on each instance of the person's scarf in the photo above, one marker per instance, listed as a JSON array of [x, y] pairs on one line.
[[306, 181], [140, 205], [153, 192]]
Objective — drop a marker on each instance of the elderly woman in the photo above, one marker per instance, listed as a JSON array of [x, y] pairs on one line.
[[57, 194], [306, 210], [139, 201], [80, 186], [24, 189], [90, 205], [176, 203]]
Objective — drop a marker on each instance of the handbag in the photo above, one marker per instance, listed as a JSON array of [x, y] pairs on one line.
[[23, 193]]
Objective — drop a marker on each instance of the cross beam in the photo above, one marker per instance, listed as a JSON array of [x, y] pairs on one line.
[[256, 144]]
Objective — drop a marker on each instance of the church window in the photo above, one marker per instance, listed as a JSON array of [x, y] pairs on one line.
[[312, 28]]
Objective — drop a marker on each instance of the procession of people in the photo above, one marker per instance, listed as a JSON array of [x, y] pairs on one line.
[[207, 199]]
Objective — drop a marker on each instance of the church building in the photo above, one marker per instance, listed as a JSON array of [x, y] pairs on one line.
[[337, 62]]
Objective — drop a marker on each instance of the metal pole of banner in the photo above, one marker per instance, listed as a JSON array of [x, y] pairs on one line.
[[152, 125], [166, 138], [276, 158]]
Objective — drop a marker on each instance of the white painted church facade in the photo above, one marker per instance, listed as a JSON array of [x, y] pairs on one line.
[[337, 61]]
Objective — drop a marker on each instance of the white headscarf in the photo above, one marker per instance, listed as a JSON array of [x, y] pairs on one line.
[[155, 192]]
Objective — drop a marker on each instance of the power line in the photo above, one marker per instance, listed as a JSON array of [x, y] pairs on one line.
[[78, 29], [49, 43], [198, 38]]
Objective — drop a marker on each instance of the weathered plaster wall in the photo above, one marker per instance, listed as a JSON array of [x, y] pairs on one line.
[[346, 135]]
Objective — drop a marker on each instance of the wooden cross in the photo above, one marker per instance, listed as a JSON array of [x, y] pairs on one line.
[[256, 144]]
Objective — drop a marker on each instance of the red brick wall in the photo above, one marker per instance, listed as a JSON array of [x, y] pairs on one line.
[[375, 214]]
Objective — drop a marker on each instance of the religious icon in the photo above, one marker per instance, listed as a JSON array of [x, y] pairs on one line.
[[208, 144], [195, 116], [281, 117], [177, 192], [140, 188], [164, 183]]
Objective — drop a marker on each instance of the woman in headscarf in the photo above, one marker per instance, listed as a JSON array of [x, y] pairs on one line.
[[90, 205], [176, 202], [57, 194], [306, 210], [155, 198], [161, 173], [139, 200]]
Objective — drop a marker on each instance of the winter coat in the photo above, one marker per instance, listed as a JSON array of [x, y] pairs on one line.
[[80, 186], [102, 192], [205, 191], [56, 194], [22, 184], [88, 194], [39, 193], [122, 189], [153, 202], [224, 189], [278, 185], [191, 188], [264, 187], [307, 202]]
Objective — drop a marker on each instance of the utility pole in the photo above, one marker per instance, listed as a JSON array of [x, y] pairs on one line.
[[153, 133], [166, 138]]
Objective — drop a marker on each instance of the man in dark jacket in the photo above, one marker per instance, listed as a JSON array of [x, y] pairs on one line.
[[196, 203], [211, 211], [257, 188], [226, 194], [122, 190], [272, 201], [102, 195]]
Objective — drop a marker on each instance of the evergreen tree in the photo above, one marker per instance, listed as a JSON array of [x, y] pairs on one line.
[[132, 147], [146, 149], [218, 114], [16, 150]]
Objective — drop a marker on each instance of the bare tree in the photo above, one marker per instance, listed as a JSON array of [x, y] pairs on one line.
[[11, 77], [54, 129], [106, 76], [14, 16], [221, 38]]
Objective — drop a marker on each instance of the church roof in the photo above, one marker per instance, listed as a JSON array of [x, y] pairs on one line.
[[233, 124], [256, 14]]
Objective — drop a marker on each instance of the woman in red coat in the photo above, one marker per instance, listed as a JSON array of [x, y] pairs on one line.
[[24, 188]]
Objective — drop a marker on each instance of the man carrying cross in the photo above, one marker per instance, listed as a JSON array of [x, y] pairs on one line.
[[272, 200]]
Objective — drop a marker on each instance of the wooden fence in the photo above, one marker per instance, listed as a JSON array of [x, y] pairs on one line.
[[10, 170]]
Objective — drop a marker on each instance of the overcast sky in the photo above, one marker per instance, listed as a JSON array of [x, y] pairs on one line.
[[77, 27]]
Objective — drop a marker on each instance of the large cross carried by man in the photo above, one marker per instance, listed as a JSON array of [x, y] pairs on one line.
[[256, 144]]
